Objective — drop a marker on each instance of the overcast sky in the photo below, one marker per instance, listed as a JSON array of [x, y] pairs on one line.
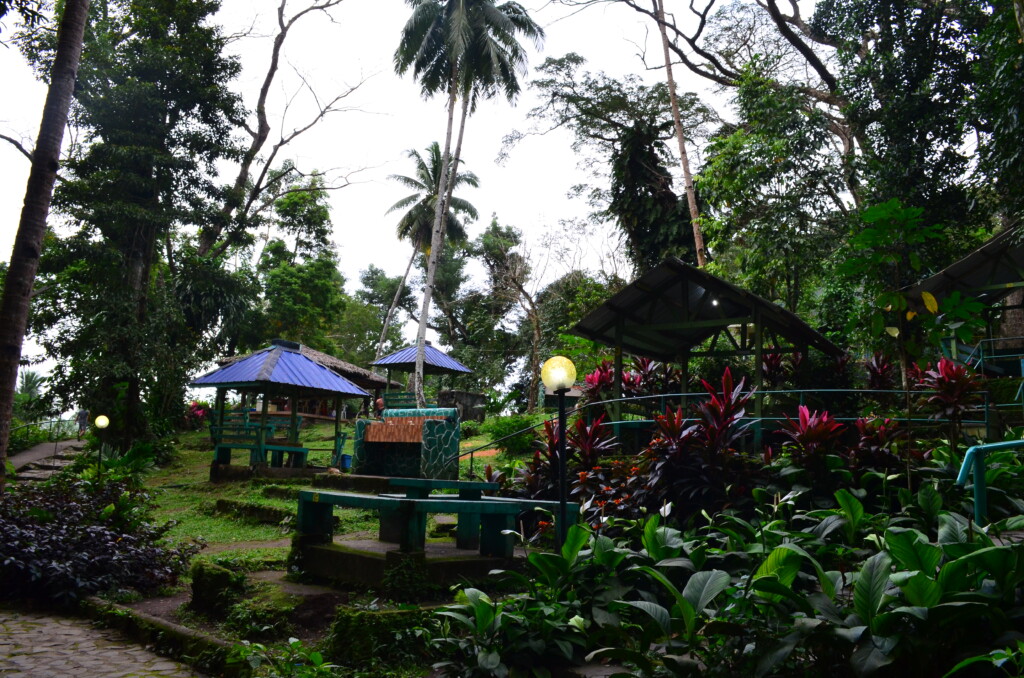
[[388, 117]]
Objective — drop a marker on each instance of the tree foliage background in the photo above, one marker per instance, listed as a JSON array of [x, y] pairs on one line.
[[163, 260]]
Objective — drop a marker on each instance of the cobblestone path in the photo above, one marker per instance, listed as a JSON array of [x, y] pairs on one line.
[[38, 645]]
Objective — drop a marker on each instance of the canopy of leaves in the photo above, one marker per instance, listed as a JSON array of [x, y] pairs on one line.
[[625, 123]]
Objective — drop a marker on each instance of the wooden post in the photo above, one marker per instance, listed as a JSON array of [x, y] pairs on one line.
[[617, 385], [758, 378], [685, 386], [261, 432], [293, 425], [219, 406]]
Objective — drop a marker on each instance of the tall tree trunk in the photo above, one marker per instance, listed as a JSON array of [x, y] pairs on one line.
[[456, 159], [394, 304], [436, 244], [534, 315], [28, 242], [691, 196], [132, 425]]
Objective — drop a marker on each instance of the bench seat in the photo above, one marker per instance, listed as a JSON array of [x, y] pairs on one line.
[[297, 455]]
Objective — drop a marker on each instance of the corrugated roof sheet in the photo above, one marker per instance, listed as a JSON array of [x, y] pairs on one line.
[[988, 274], [281, 366], [434, 361], [361, 377]]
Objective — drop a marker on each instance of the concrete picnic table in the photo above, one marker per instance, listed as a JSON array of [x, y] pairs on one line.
[[484, 522], [467, 532]]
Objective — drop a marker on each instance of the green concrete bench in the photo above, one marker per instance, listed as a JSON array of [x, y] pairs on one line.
[[399, 400], [410, 514], [229, 438], [297, 455], [284, 422], [240, 432]]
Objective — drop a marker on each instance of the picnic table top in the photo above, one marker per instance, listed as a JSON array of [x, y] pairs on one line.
[[441, 484], [423, 505]]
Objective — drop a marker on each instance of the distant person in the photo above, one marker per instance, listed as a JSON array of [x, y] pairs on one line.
[[82, 419], [378, 408]]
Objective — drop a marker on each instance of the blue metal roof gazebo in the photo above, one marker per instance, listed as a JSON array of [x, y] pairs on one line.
[[280, 367], [280, 370], [434, 361]]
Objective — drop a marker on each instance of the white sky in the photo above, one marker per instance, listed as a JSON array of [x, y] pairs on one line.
[[528, 191]]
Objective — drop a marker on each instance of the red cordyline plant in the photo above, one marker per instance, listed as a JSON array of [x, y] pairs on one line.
[[196, 415], [599, 381], [956, 389], [915, 373], [773, 369], [587, 444], [721, 413], [632, 384], [675, 433], [584, 447], [881, 372], [693, 463], [653, 376], [878, 440], [811, 436]]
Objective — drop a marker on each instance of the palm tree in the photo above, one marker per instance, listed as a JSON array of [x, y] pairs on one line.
[[417, 224], [28, 242], [467, 48], [30, 383]]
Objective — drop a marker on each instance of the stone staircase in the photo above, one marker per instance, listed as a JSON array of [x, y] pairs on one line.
[[43, 468]]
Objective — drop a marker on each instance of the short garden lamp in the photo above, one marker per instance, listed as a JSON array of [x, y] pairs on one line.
[[101, 422], [559, 375]]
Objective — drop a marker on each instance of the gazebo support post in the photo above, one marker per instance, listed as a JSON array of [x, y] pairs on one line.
[[617, 385], [685, 386], [758, 378], [219, 407], [293, 425], [261, 434]]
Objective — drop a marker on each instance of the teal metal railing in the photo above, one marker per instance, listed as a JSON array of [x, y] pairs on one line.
[[639, 412], [974, 464]]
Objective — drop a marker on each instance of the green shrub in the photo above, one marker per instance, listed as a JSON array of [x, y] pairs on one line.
[[24, 437], [215, 588], [1002, 390], [357, 637], [498, 428], [279, 661], [471, 428], [265, 614], [68, 539]]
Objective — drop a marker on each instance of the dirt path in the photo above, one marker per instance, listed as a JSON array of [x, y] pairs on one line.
[[486, 453]]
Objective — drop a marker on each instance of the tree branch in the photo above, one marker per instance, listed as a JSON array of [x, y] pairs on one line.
[[17, 144]]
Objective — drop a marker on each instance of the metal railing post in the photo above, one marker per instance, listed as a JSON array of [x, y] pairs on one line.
[[974, 463]]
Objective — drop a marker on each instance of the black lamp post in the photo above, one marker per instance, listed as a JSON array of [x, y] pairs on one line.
[[101, 422], [559, 375]]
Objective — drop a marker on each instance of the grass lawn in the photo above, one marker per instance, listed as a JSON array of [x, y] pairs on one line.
[[184, 494]]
